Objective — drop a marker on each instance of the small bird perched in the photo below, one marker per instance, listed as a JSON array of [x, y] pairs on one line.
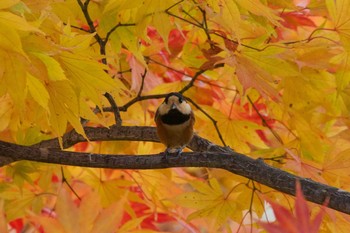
[[174, 119]]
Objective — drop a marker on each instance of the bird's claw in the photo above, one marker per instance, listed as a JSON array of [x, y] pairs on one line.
[[170, 151]]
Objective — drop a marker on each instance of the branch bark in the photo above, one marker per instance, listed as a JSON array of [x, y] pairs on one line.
[[125, 133], [206, 155]]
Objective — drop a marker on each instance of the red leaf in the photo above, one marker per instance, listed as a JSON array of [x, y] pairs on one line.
[[295, 19], [17, 224], [55, 178], [300, 222], [302, 211], [285, 218], [176, 41], [81, 147], [86, 27]]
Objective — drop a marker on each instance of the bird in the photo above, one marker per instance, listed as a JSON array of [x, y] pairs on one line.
[[175, 120]]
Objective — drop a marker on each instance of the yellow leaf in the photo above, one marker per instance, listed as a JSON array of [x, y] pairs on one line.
[[260, 70], [205, 188], [231, 11], [340, 13], [38, 91], [238, 134], [120, 5], [89, 76], [164, 88], [3, 222], [126, 36], [20, 172], [6, 109], [313, 88], [49, 224], [64, 107], [16, 22], [67, 212], [107, 190], [131, 225], [339, 164], [86, 112], [20, 201], [76, 42], [313, 142], [88, 211], [14, 77], [208, 201], [54, 69], [10, 40], [258, 8], [163, 28], [8, 3], [109, 219]]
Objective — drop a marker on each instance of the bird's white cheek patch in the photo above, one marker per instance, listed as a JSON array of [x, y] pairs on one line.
[[163, 109], [185, 108]]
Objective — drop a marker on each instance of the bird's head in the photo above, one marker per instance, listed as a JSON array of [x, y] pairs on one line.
[[174, 101]]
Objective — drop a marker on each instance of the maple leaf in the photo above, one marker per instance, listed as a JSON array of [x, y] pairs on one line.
[[238, 133], [258, 8], [176, 41], [261, 70], [295, 19], [137, 70], [209, 201], [299, 222], [89, 216], [340, 13]]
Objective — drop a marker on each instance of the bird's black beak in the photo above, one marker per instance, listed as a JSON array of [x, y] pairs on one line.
[[173, 106]]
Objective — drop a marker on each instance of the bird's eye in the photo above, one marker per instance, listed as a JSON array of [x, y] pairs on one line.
[[180, 100]]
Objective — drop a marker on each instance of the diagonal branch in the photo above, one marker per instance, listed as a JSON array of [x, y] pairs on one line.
[[254, 169], [215, 123], [194, 78]]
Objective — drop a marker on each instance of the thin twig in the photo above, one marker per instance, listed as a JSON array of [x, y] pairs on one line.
[[264, 122], [184, 74], [205, 25], [76, 27], [115, 27], [194, 78], [143, 76], [215, 123], [64, 180], [178, 17], [125, 107], [84, 7], [193, 18]]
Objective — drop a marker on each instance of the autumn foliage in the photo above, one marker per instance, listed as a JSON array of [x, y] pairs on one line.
[[269, 79]]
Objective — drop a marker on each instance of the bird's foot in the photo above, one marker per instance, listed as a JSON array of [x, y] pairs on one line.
[[173, 151]]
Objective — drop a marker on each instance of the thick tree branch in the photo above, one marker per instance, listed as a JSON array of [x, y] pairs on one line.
[[236, 163], [125, 133]]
